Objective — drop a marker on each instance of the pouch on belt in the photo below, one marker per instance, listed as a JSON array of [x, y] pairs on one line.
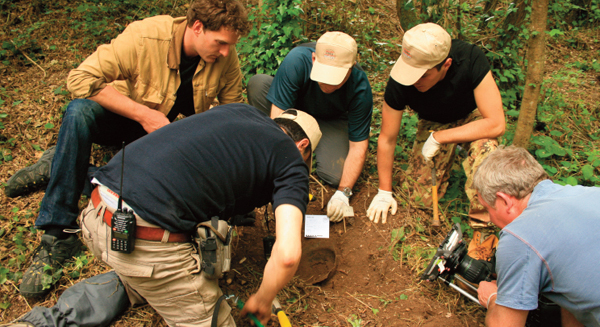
[[213, 239]]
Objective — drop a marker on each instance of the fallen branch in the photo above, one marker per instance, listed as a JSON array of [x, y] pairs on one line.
[[26, 56], [322, 188], [360, 301]]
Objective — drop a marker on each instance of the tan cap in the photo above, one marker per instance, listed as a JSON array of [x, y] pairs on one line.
[[423, 47], [335, 53], [308, 124]]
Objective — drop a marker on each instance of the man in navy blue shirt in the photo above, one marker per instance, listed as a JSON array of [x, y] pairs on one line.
[[215, 170], [325, 82]]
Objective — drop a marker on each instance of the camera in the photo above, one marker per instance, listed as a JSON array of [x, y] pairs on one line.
[[451, 258], [451, 262]]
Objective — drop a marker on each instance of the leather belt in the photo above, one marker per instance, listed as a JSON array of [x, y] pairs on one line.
[[142, 232]]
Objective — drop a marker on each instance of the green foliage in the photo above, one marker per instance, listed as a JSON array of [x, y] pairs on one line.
[[98, 21], [567, 148], [374, 52], [3, 275], [548, 147], [77, 266], [354, 321], [278, 29], [398, 236], [22, 45], [574, 13]]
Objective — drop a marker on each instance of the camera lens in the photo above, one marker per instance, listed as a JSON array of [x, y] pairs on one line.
[[473, 270]]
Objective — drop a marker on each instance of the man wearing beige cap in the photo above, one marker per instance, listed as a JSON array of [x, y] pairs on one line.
[[216, 171], [450, 85], [326, 82]]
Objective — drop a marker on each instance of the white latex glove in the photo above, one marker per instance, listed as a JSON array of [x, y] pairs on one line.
[[337, 206], [430, 148], [381, 205]]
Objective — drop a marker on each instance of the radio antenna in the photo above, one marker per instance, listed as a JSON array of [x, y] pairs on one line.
[[120, 204]]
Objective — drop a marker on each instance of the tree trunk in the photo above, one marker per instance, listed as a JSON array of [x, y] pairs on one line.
[[535, 73]]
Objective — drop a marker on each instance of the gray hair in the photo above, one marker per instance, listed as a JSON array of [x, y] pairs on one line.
[[510, 170]]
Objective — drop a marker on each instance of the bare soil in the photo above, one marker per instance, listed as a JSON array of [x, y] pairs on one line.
[[366, 287], [373, 280], [365, 284]]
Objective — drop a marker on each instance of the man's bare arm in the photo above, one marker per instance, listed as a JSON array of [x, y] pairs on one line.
[[500, 316], [283, 263], [355, 160], [567, 319], [497, 315], [492, 125], [391, 120]]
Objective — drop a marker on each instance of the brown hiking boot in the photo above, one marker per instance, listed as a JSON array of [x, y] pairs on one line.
[[482, 246]]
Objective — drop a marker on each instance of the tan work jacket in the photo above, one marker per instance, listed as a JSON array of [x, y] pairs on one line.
[[142, 63]]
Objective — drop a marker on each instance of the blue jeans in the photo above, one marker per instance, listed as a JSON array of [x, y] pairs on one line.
[[85, 122]]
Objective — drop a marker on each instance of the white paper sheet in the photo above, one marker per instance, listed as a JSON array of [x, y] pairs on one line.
[[316, 226]]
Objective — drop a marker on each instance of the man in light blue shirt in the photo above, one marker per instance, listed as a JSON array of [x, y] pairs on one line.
[[548, 243]]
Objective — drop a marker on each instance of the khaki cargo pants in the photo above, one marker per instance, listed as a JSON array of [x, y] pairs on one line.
[[165, 275], [417, 181]]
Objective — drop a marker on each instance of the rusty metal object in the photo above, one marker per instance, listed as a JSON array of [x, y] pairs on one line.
[[319, 260]]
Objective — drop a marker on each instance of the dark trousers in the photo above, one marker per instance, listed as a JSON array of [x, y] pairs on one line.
[[333, 148], [85, 122]]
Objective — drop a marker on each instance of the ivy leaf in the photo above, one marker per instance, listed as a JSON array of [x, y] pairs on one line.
[[513, 113], [557, 150], [555, 32], [550, 170], [571, 180], [588, 172], [542, 153]]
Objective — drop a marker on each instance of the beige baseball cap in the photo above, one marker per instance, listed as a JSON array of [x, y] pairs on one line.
[[423, 47], [335, 53], [309, 125]]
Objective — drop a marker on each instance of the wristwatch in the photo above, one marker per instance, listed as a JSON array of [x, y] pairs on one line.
[[347, 192]]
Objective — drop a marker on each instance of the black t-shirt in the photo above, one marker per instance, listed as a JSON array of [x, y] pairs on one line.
[[184, 103], [223, 162], [450, 99]]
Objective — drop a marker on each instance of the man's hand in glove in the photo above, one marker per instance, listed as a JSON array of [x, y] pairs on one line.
[[337, 206], [380, 205], [430, 148]]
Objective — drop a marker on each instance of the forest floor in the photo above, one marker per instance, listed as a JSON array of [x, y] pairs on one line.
[[369, 278]]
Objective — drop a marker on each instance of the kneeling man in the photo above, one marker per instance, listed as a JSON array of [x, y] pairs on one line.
[[548, 243], [232, 159]]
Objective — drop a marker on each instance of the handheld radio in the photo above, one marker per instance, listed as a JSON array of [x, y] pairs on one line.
[[122, 233]]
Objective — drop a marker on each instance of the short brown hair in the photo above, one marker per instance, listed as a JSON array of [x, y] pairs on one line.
[[214, 14], [510, 170]]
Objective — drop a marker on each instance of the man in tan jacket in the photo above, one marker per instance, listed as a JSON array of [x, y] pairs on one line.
[[156, 69]]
